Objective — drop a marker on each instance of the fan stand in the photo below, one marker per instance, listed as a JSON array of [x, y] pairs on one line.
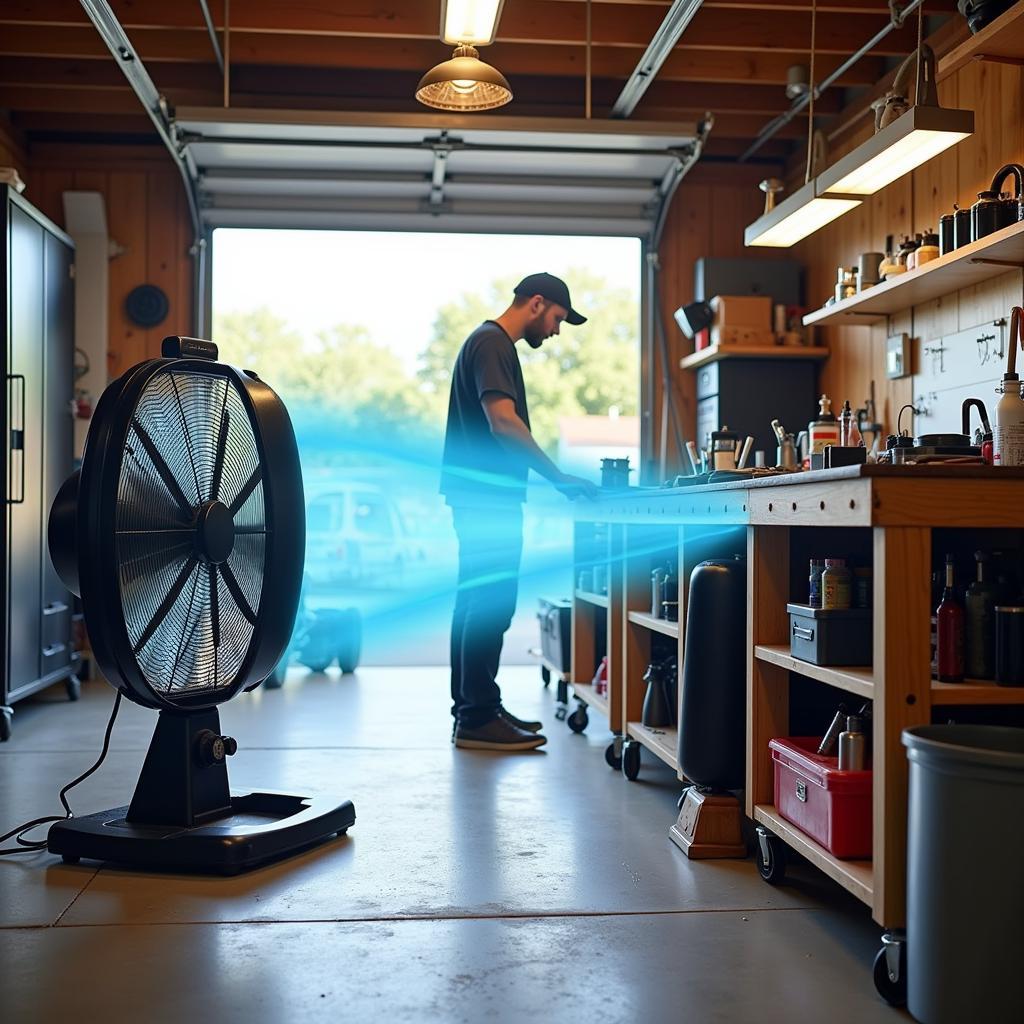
[[184, 817]]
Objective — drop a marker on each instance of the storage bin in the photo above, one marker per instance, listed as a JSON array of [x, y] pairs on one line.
[[830, 636], [555, 617], [832, 807]]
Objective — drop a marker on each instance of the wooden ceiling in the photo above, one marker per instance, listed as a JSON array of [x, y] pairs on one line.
[[59, 82]]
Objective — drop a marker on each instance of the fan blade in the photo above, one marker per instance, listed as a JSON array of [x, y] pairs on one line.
[[188, 436], [186, 637], [236, 593], [167, 603], [243, 494], [218, 461], [214, 605], [163, 469]]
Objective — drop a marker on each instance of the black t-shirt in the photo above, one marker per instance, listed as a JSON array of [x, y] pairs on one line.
[[477, 468]]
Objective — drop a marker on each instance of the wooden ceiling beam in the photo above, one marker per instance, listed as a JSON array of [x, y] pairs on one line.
[[163, 46], [534, 22]]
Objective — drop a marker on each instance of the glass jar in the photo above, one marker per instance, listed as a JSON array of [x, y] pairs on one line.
[[835, 584]]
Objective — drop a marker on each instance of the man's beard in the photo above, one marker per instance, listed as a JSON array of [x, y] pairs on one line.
[[534, 333]]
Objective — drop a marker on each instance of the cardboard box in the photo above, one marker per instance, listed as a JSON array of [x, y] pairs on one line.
[[747, 336], [743, 311]]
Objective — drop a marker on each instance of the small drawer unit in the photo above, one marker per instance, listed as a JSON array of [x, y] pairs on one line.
[[833, 807], [830, 636]]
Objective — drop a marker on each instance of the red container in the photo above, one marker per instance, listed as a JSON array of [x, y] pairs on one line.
[[832, 807]]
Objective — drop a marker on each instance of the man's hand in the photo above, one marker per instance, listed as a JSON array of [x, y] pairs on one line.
[[576, 487]]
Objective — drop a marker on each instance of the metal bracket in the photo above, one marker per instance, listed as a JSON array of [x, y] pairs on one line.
[[997, 263]]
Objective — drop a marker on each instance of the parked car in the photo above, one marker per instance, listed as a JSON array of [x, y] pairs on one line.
[[355, 535]]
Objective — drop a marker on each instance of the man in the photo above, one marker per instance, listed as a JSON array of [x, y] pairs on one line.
[[488, 453]]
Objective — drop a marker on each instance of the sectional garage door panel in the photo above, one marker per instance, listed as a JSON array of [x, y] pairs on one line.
[[420, 172]]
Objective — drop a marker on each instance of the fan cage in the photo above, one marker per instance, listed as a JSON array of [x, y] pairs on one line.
[[190, 622]]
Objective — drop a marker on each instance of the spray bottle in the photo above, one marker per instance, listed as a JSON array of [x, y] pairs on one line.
[[1008, 432]]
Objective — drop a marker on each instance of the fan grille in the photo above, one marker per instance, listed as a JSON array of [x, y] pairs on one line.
[[190, 621]]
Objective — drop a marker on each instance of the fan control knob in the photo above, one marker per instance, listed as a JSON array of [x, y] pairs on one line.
[[213, 749]]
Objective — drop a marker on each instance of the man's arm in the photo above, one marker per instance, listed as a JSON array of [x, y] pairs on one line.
[[514, 434]]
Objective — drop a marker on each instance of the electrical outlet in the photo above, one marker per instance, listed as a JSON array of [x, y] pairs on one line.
[[897, 356]]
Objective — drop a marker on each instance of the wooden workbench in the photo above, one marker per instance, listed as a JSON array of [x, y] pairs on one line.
[[901, 506]]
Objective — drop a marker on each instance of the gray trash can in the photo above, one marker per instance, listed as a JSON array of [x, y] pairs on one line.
[[965, 873]]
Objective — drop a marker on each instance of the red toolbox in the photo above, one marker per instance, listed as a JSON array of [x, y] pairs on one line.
[[831, 806]]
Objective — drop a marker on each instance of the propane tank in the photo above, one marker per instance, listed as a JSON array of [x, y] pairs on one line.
[[1008, 435]]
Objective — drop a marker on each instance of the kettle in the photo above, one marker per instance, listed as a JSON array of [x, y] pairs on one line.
[[995, 209]]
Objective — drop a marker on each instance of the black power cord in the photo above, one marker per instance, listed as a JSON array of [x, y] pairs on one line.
[[35, 845]]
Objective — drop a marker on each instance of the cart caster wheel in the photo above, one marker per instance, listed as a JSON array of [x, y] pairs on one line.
[[562, 696], [6, 723], [578, 720], [70, 858], [613, 760], [772, 856], [631, 759], [73, 687], [545, 675], [890, 973]]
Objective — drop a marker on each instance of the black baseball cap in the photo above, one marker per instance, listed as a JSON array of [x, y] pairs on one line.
[[552, 288]]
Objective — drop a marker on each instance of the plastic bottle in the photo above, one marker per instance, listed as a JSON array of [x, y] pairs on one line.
[[980, 616], [1008, 428], [949, 632], [852, 746], [824, 430]]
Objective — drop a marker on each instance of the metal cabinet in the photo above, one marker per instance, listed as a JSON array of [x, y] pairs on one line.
[[38, 354]]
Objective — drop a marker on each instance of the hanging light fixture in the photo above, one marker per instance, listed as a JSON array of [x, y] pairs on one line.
[[905, 137], [465, 82]]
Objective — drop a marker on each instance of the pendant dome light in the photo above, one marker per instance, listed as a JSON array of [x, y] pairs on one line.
[[466, 83]]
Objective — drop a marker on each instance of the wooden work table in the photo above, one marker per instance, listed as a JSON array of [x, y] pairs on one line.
[[763, 518]]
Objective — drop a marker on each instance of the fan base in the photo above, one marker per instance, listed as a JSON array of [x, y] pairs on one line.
[[261, 827]]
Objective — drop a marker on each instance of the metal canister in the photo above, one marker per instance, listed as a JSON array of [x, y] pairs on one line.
[[946, 236], [657, 591], [961, 228]]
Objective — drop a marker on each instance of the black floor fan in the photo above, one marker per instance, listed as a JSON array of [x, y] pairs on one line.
[[184, 534]]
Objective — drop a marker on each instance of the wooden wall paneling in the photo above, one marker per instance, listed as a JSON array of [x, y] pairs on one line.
[[45, 190], [127, 224], [163, 257]]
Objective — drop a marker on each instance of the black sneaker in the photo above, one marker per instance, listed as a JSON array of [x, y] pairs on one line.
[[497, 734], [519, 723]]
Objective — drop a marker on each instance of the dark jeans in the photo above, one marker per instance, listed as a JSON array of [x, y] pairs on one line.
[[490, 548]]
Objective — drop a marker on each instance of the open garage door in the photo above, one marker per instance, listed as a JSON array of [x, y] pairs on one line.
[[431, 173]]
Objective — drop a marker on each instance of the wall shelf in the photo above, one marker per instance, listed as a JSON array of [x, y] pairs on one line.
[[852, 679], [976, 691], [989, 257], [663, 743], [592, 698], [1002, 41], [657, 625], [588, 597], [855, 876], [713, 353]]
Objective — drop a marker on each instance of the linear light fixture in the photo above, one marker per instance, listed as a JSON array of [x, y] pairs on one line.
[[470, 21], [798, 216], [912, 139]]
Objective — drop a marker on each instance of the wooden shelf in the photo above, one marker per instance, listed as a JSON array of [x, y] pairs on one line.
[[947, 274], [856, 876], [975, 691], [592, 698], [1002, 41], [852, 679], [663, 743], [657, 625], [715, 352], [588, 597]]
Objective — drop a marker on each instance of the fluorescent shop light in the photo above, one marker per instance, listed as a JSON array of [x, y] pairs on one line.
[[798, 216], [912, 139], [470, 21]]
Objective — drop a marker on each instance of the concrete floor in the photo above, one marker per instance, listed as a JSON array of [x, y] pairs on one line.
[[472, 887]]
